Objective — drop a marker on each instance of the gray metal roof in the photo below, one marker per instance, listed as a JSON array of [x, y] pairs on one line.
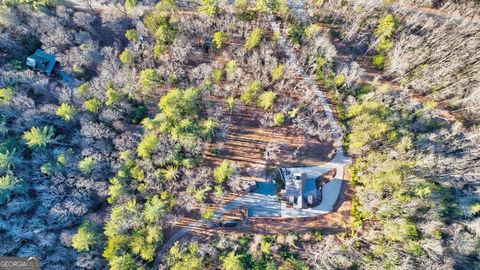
[[42, 61]]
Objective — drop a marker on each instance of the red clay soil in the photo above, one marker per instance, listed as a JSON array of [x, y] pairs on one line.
[[246, 141]]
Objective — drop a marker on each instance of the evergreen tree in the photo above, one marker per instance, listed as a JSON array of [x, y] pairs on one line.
[[266, 100], [155, 209], [223, 171], [147, 145], [86, 165], [85, 237], [39, 137], [66, 111], [232, 262]]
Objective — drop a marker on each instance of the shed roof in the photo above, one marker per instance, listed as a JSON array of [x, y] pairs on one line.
[[42, 61]]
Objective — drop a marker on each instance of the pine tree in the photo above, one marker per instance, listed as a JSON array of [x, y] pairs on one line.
[[8, 184], [126, 57], [147, 145], [85, 237], [131, 34], [6, 94], [209, 7], [170, 173], [250, 92], [267, 100], [66, 111], [232, 262], [155, 209], [223, 172], [39, 137], [93, 105], [86, 165]]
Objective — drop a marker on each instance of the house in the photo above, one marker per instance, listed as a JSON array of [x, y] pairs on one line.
[[300, 192], [42, 61]]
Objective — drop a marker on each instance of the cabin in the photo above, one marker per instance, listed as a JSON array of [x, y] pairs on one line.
[[42, 61]]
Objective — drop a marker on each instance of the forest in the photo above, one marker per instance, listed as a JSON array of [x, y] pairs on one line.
[[158, 112]]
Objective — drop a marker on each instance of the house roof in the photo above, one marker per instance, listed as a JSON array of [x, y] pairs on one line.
[[299, 184], [42, 61]]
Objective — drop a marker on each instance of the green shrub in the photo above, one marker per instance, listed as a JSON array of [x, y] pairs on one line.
[[148, 78], [82, 89], [312, 30], [378, 61], [293, 112], [277, 72], [278, 119], [137, 173], [261, 5], [158, 50], [253, 39], [122, 262], [217, 76], [437, 234], [131, 34], [126, 57], [295, 33], [267, 100], [130, 4], [147, 145], [208, 126], [93, 105], [387, 25], [474, 208], [400, 230], [6, 94], [415, 249], [240, 6], [232, 262], [231, 67], [208, 7], [230, 103], [383, 45], [155, 208], [250, 92], [170, 173], [138, 114], [8, 185], [339, 79], [219, 39], [111, 96], [165, 34], [208, 213]]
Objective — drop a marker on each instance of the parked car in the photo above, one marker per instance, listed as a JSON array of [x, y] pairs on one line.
[[212, 224], [228, 223]]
